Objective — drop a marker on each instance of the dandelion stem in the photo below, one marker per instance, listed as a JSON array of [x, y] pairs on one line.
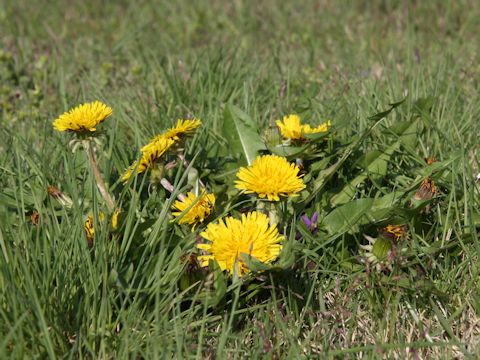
[[186, 163], [167, 185], [98, 176]]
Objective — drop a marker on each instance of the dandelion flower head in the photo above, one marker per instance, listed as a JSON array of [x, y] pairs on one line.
[[160, 144], [291, 127], [270, 177], [324, 127], [88, 226], [230, 237], [183, 127], [115, 219], [88, 229], [83, 118], [197, 209], [150, 154]]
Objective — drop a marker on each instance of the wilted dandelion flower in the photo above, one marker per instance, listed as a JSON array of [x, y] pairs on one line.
[[384, 250], [270, 176], [252, 235], [197, 209], [191, 262], [193, 273], [426, 191], [377, 251], [35, 217], [183, 127], [150, 154], [395, 232], [292, 128], [61, 197], [83, 118]]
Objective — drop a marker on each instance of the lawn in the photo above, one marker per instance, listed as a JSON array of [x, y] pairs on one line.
[[373, 242]]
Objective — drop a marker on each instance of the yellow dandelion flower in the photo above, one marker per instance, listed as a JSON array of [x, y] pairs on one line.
[[183, 127], [196, 209], [150, 154], [159, 145], [291, 127], [115, 219], [229, 238], [89, 229], [83, 118], [324, 127], [270, 176]]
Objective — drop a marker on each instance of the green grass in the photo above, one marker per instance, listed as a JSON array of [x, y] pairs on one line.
[[154, 63]]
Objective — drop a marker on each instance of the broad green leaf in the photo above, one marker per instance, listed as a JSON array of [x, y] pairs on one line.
[[360, 212], [423, 106], [287, 255], [407, 132], [387, 201], [288, 151], [366, 159], [318, 136], [428, 170], [241, 132], [345, 217], [325, 175], [254, 264], [376, 168], [382, 207], [321, 164], [384, 114]]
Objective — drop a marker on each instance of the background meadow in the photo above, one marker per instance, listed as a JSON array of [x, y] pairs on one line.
[[132, 293]]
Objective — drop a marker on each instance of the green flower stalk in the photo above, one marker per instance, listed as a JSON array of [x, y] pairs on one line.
[[83, 120]]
